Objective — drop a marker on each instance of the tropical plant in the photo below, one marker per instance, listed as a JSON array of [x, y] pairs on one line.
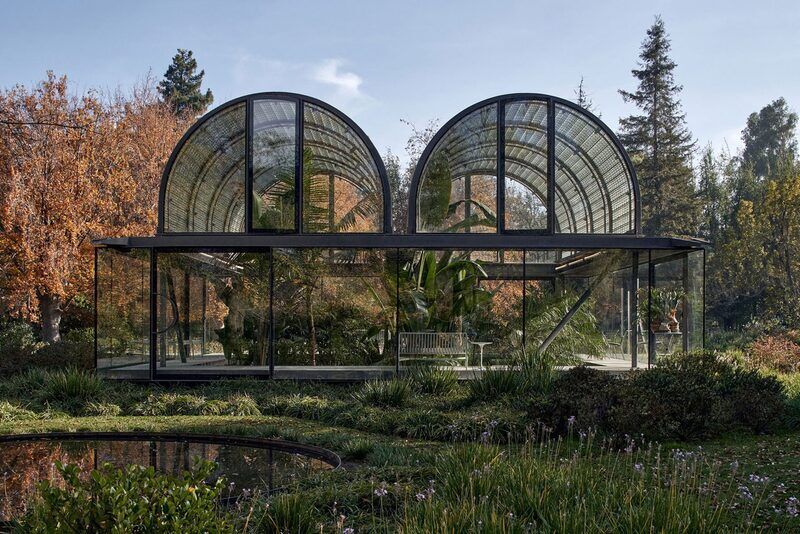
[[437, 294]]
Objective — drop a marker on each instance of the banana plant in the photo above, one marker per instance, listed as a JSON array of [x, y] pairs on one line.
[[436, 295]]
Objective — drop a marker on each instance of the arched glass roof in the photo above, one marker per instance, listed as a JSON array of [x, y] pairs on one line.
[[275, 163], [524, 163]]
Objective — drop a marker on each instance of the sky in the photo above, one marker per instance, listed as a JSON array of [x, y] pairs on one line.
[[380, 62]]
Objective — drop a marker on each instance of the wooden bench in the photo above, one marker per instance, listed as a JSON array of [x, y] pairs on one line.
[[433, 346]]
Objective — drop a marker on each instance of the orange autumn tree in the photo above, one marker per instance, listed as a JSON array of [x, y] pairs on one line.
[[73, 168]]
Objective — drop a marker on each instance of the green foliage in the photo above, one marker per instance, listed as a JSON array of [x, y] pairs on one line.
[[769, 138], [135, 499], [687, 397], [581, 335], [70, 389], [10, 412], [436, 295], [546, 489], [433, 380], [493, 384], [288, 513], [392, 393], [181, 85]]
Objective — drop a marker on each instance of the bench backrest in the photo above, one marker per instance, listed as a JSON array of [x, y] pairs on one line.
[[432, 343]]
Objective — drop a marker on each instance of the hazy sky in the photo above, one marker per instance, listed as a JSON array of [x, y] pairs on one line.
[[380, 62]]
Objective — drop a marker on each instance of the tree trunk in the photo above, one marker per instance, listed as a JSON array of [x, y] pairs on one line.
[[50, 313]]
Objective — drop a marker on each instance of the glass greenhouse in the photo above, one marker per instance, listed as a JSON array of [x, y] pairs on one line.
[[275, 254]]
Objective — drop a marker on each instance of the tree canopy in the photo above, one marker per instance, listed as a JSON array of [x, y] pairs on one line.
[[181, 85]]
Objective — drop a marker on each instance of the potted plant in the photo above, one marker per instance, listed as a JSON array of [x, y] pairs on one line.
[[664, 304]]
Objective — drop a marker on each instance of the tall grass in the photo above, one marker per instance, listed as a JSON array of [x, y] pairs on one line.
[[384, 393], [433, 380], [547, 488]]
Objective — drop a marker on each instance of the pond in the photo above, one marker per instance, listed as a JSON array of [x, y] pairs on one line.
[[248, 464]]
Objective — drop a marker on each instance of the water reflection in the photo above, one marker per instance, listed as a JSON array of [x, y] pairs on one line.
[[247, 469]]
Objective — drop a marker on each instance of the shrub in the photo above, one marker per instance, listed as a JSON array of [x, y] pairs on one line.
[[433, 380], [393, 393], [581, 398], [70, 389], [135, 499], [779, 352], [755, 401], [664, 404], [688, 396], [495, 383], [172, 404], [242, 405], [75, 351], [17, 344]]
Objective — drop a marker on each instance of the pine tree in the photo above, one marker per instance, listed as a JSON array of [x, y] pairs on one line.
[[713, 195], [582, 98], [181, 85], [659, 142]]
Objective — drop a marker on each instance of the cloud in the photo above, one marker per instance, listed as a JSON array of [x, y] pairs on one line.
[[327, 79], [346, 83]]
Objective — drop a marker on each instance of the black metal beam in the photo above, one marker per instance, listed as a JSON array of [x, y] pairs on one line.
[[473, 241]]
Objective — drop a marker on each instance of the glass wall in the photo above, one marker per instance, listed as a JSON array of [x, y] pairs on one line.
[[123, 309], [334, 308], [213, 311], [460, 308], [324, 309]]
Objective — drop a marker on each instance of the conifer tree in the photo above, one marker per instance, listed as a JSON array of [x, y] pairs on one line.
[[659, 142], [181, 85]]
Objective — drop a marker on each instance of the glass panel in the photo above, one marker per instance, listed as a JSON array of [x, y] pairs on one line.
[[594, 192], [459, 308], [274, 157], [458, 188], [695, 300], [526, 166], [334, 308], [213, 311], [643, 315], [668, 303], [123, 310], [205, 189], [341, 186]]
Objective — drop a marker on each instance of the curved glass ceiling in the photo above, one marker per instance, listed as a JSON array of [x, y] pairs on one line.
[[341, 190], [562, 172]]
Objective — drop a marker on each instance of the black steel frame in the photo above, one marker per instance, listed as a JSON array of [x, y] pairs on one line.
[[501, 102]]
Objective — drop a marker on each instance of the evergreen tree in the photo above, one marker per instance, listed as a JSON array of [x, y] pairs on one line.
[[659, 142], [769, 138], [713, 195], [583, 99], [181, 85], [398, 185]]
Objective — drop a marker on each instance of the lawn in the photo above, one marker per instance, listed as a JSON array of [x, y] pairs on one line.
[[416, 461]]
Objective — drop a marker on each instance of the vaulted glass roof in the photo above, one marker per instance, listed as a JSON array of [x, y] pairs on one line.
[[276, 163], [524, 163]]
